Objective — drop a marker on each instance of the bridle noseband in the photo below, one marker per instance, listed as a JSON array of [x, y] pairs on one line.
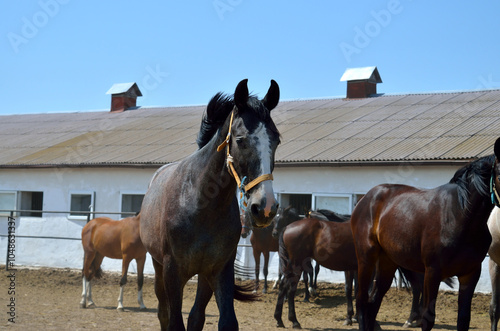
[[241, 183], [495, 198]]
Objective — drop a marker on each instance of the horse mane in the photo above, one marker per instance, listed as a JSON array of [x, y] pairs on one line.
[[331, 216], [219, 108], [474, 175]]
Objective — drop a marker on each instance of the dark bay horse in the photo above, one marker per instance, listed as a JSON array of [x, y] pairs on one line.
[[329, 243], [264, 241], [494, 266], [103, 237], [190, 215], [441, 232]]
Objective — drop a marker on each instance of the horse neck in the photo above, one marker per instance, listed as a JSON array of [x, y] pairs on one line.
[[214, 180], [478, 207]]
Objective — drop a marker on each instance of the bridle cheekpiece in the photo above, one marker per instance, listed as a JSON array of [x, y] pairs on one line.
[[229, 162]]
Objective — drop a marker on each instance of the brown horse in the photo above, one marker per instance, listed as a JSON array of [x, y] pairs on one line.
[[329, 243], [264, 241], [103, 237], [190, 215], [441, 232]]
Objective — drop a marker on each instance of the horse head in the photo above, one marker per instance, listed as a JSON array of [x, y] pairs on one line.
[[251, 145], [284, 217]]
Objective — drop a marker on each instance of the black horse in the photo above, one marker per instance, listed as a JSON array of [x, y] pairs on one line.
[[190, 215]]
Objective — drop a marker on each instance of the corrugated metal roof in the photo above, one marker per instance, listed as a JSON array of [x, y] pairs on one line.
[[416, 127]]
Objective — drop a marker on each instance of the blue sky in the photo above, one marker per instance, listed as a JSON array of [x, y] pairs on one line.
[[63, 55]]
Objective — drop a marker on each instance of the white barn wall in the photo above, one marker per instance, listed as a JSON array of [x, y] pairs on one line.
[[57, 186]]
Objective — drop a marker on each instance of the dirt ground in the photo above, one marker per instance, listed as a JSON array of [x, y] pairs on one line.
[[48, 299]]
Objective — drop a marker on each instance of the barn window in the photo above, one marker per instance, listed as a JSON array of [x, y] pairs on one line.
[[81, 203], [31, 201], [301, 202], [131, 203], [339, 203]]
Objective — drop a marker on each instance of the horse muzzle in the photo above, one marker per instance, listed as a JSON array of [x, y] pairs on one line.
[[263, 208]]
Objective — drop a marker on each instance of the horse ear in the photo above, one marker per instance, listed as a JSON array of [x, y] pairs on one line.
[[497, 149], [272, 97], [241, 94]]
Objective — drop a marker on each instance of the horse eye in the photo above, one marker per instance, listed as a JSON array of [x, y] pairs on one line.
[[240, 141]]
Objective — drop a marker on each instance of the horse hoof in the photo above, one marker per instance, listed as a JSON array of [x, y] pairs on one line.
[[82, 305], [297, 326], [306, 300], [347, 322], [264, 291], [120, 309], [143, 308], [280, 324]]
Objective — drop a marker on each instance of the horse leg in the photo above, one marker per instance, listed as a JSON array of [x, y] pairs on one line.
[[432, 279], [383, 279], [305, 278], [495, 294], [140, 281], [278, 311], [366, 267], [465, 293], [256, 257], [306, 275], [91, 261], [278, 281], [292, 289], [196, 318], [314, 289], [416, 280], [224, 296], [125, 262], [266, 264], [86, 287], [349, 278], [168, 290]]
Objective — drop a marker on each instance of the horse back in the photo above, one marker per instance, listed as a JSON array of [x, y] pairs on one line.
[[103, 235], [329, 243]]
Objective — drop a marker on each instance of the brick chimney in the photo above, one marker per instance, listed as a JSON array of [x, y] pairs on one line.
[[361, 82], [123, 96]]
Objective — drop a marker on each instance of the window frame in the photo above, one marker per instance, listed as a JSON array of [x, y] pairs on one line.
[[124, 193], [333, 195], [72, 216]]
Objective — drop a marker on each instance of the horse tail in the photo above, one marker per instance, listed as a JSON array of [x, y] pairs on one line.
[[97, 269], [284, 258], [244, 293]]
